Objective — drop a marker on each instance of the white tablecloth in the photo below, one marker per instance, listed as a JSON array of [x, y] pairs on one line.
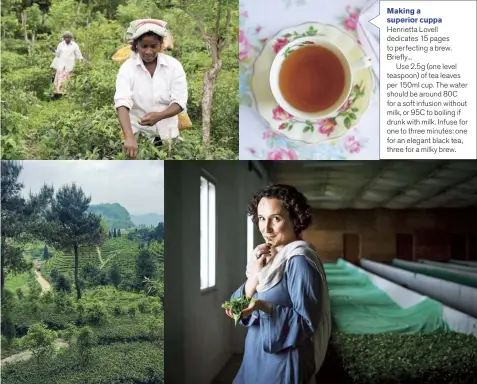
[[261, 20]]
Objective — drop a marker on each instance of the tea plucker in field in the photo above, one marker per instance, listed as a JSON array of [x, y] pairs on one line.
[[64, 62], [151, 87], [289, 323]]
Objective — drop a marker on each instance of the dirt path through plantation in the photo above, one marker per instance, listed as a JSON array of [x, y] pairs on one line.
[[59, 343], [99, 256], [45, 285], [26, 355]]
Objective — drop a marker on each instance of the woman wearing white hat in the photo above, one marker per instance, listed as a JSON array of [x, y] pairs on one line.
[[151, 87]]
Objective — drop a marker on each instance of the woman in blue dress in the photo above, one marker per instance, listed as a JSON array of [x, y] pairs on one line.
[[289, 320]]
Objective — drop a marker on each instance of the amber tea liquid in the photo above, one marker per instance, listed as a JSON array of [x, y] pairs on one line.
[[312, 79]]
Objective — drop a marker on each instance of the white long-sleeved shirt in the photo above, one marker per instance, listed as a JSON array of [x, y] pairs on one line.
[[65, 56], [142, 94]]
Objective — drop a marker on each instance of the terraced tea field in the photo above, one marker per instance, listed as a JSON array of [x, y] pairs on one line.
[[119, 251]]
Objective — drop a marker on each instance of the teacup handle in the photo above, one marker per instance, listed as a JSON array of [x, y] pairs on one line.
[[363, 63]]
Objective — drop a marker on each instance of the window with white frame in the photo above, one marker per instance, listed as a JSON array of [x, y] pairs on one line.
[[250, 238], [207, 233]]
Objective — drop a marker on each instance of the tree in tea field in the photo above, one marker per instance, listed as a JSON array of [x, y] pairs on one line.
[[146, 266], [46, 254], [159, 232], [115, 275], [213, 19], [39, 340], [72, 226], [62, 284], [21, 219], [85, 341], [119, 232]]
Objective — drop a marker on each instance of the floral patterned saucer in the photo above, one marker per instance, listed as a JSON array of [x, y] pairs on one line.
[[311, 131]]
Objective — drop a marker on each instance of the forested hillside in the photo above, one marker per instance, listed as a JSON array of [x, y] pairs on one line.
[[83, 124], [115, 215]]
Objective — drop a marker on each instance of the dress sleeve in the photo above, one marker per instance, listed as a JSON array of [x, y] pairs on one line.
[[179, 93], [58, 50], [78, 54], [253, 318], [124, 93], [287, 327]]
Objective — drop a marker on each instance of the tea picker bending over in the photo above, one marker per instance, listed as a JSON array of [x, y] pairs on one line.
[[151, 87]]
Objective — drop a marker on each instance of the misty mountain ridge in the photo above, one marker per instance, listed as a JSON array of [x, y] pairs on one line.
[[147, 219]]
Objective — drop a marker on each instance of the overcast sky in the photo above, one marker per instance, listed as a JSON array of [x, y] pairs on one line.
[[137, 185]]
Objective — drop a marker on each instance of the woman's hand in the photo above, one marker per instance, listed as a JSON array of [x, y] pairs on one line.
[[255, 305], [261, 252], [151, 118], [130, 146], [228, 312]]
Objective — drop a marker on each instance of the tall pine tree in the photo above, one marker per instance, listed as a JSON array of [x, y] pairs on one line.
[[21, 219], [46, 254], [72, 225]]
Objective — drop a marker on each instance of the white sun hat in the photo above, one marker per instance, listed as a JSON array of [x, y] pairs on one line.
[[140, 27]]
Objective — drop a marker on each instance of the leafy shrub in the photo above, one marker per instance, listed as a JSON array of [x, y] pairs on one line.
[[63, 302], [93, 87], [25, 315], [121, 363], [39, 341], [47, 298], [442, 357], [85, 340], [132, 311], [10, 346], [63, 284], [118, 311], [32, 79], [19, 293], [127, 329], [96, 313], [143, 306]]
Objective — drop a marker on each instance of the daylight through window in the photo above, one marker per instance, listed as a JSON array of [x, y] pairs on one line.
[[207, 233], [250, 239]]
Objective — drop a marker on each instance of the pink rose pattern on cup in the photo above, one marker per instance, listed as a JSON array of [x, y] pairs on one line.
[[279, 44], [280, 114], [324, 126]]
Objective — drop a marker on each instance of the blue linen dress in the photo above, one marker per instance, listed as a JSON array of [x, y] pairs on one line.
[[279, 346]]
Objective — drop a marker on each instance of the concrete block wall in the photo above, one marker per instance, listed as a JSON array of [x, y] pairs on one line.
[[199, 337]]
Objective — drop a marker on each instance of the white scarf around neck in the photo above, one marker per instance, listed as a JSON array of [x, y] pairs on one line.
[[273, 271]]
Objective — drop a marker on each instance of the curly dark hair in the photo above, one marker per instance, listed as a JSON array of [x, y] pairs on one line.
[[294, 202], [134, 44]]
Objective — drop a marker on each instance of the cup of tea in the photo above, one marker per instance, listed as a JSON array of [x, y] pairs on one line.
[[311, 78]]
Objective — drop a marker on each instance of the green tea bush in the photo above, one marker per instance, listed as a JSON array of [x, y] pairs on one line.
[[121, 363], [442, 357], [127, 329]]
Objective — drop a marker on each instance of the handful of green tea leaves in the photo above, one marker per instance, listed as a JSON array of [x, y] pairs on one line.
[[237, 305]]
